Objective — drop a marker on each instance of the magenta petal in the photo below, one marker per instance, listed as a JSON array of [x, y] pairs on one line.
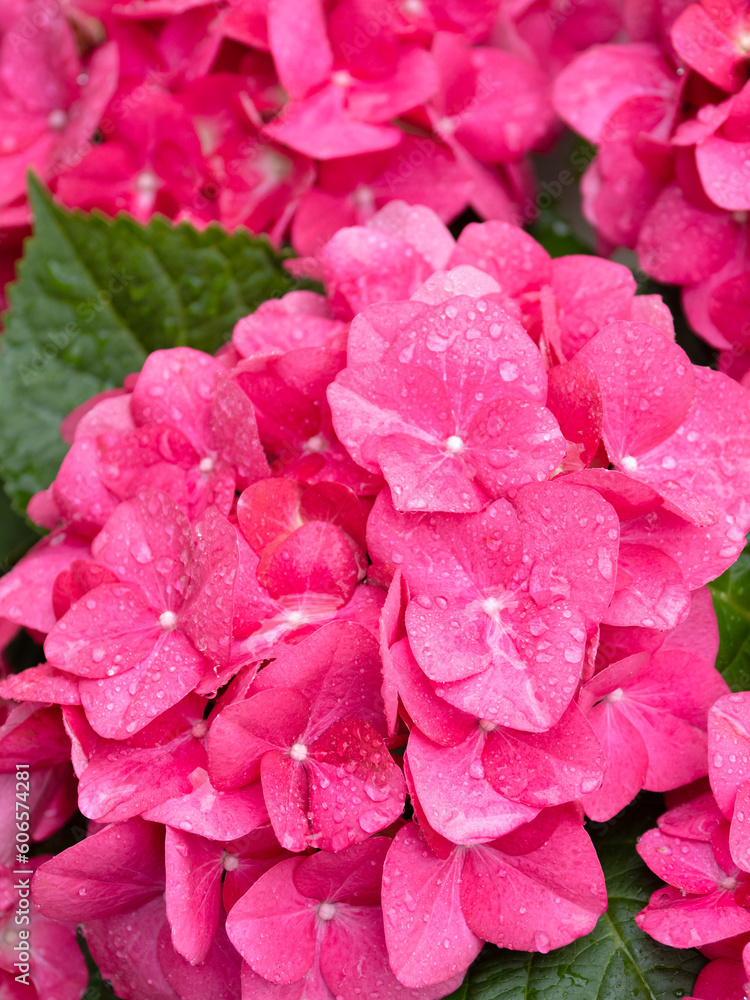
[[26, 590], [706, 48], [350, 876], [656, 595], [574, 399], [626, 762], [194, 868], [458, 801], [337, 669], [439, 721], [418, 884], [511, 442], [121, 705], [285, 789], [110, 630], [370, 795], [570, 538], [597, 82], [692, 921], [354, 959], [721, 979], [724, 171], [681, 244], [120, 867], [729, 736], [213, 814], [311, 986], [693, 870], [538, 888], [235, 432], [273, 926], [635, 365], [317, 558], [299, 44], [739, 833], [216, 978], [419, 226], [545, 769], [423, 476], [122, 781], [591, 293], [242, 732]]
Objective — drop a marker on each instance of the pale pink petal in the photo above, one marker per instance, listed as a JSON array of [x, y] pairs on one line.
[[655, 595], [729, 736], [692, 921], [693, 870]]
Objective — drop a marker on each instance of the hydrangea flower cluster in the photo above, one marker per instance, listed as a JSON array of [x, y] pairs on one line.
[[668, 113], [701, 848], [440, 535], [264, 113]]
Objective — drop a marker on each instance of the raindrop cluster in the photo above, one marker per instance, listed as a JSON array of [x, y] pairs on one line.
[[348, 627]]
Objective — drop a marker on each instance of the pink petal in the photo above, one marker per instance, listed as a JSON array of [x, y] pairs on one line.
[[42, 683], [235, 432], [367, 799], [122, 781], [569, 530], [513, 442], [739, 833], [213, 814], [629, 497], [597, 82], [721, 979], [693, 870], [273, 926], [656, 595], [591, 293], [317, 558], [147, 542], [524, 875], [626, 762], [422, 476], [681, 244], [354, 960], [299, 44], [175, 387], [242, 732], [121, 705], [457, 800], [120, 867], [439, 721], [352, 876], [697, 819], [418, 884], [285, 790], [545, 769], [78, 579], [504, 251], [217, 978], [109, 631], [707, 49], [319, 126], [125, 948], [337, 669], [26, 590], [574, 399], [420, 227], [194, 868], [692, 921], [635, 364], [729, 736]]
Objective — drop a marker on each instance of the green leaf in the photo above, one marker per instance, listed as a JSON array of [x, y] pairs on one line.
[[616, 960], [731, 594], [556, 235], [15, 534], [93, 298]]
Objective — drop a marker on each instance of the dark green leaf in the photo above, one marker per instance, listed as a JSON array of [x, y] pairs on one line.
[[15, 534], [556, 235], [731, 594], [614, 962], [93, 298]]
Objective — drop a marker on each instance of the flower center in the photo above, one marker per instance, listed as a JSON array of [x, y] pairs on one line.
[[316, 444], [298, 752], [200, 729], [629, 463], [326, 911], [231, 862], [57, 119], [487, 726], [617, 695], [729, 883], [206, 465], [454, 444], [167, 620]]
